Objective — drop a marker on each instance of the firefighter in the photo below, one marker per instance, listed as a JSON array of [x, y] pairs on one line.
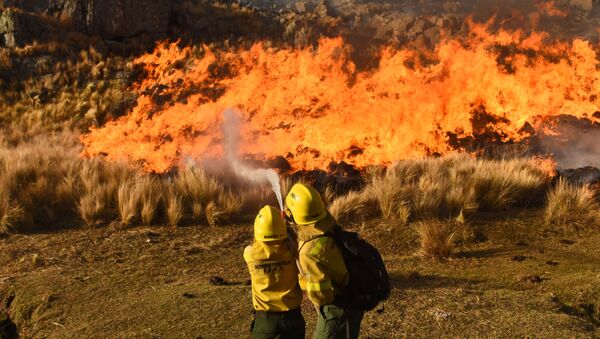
[[276, 295], [323, 274]]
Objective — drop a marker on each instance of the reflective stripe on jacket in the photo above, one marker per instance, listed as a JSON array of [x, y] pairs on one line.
[[323, 272], [274, 276]]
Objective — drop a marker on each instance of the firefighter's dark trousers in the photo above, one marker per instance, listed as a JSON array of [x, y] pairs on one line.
[[335, 322], [278, 325]]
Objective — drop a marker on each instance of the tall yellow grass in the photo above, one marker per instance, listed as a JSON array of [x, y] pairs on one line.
[[454, 185], [47, 184], [571, 206], [352, 206], [436, 242], [81, 89]]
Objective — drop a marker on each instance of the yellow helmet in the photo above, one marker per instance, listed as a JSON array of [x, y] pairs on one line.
[[305, 204], [269, 225]]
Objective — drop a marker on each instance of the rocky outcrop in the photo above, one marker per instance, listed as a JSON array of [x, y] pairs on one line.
[[126, 18], [18, 28], [21, 22]]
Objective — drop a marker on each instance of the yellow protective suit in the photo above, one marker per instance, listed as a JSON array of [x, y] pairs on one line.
[[323, 273], [274, 276]]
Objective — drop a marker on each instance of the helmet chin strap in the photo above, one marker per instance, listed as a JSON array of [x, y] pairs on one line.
[[288, 216]]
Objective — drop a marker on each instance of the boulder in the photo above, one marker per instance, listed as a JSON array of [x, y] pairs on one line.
[[68, 12], [127, 18], [401, 22], [8, 21], [18, 28]]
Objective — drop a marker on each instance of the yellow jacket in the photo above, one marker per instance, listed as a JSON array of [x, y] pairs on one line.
[[323, 272], [274, 276]]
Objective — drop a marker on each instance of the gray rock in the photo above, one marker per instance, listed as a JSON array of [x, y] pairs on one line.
[[8, 21], [402, 22], [69, 12], [421, 25], [9, 40], [127, 18]]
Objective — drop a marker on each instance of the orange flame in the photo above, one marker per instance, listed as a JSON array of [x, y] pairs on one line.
[[313, 106], [546, 164]]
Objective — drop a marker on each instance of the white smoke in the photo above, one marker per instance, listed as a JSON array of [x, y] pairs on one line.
[[231, 133], [574, 147]]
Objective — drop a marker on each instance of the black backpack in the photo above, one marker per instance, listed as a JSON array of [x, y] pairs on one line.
[[369, 283]]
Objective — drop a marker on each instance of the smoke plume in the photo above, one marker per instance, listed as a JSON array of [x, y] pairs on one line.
[[231, 133], [574, 143]]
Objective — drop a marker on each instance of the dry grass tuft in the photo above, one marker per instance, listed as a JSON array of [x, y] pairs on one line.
[[90, 209], [213, 213], [40, 178], [104, 193], [570, 205], [150, 198], [436, 242], [391, 193], [352, 206], [286, 185], [174, 208], [328, 195], [128, 198], [455, 185], [207, 197], [9, 216], [230, 202]]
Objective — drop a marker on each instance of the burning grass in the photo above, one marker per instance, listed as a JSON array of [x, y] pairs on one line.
[[293, 95]]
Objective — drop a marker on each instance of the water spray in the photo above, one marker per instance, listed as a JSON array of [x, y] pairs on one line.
[[231, 133]]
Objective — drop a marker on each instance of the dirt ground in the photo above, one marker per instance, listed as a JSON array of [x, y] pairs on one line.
[[511, 278]]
